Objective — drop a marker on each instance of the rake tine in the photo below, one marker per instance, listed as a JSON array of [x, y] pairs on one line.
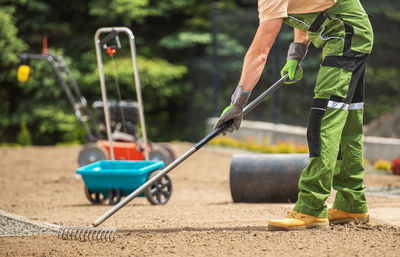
[[110, 236], [100, 235], [65, 230], [66, 234], [94, 235], [73, 233], [80, 235], [60, 231], [86, 235], [91, 232], [77, 233], [107, 235], [97, 238], [112, 239]]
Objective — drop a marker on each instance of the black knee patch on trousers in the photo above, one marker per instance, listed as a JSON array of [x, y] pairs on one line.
[[318, 110]]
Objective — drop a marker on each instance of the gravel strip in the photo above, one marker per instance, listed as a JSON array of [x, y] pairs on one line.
[[13, 227]]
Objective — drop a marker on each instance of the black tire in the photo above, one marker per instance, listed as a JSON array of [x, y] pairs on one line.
[[114, 196], [160, 192], [94, 198], [171, 152], [92, 152], [159, 153]]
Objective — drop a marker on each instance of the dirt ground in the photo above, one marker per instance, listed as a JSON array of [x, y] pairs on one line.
[[199, 220]]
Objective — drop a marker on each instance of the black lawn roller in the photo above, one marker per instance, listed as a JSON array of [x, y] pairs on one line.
[[266, 178]]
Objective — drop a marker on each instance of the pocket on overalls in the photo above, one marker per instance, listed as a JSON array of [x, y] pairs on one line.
[[362, 37], [334, 76], [331, 29], [321, 27]]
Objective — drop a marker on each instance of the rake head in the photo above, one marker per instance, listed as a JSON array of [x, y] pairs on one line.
[[86, 233]]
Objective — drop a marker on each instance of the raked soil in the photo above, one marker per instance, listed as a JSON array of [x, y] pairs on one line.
[[39, 183]]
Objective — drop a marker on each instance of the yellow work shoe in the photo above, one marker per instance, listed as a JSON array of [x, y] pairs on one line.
[[296, 221], [337, 216]]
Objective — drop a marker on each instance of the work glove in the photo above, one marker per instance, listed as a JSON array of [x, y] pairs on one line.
[[296, 54], [234, 110]]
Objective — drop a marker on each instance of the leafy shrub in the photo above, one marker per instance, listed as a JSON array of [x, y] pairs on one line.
[[285, 147], [366, 161], [226, 141], [395, 168], [252, 144], [300, 148], [381, 164], [24, 136]]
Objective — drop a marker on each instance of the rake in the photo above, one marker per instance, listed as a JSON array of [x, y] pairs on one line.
[[108, 234], [87, 233]]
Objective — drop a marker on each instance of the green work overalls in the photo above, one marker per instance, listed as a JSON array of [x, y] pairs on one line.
[[334, 131]]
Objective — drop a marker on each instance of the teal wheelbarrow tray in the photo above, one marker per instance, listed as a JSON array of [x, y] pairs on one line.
[[114, 179]]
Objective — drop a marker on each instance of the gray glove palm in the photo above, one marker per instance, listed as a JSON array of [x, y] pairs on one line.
[[234, 110]]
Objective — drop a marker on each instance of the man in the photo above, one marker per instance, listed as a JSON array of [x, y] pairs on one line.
[[342, 29]]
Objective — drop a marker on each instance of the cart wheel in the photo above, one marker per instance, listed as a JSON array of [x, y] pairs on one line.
[[160, 192], [94, 198], [92, 152], [159, 153], [114, 196], [170, 151]]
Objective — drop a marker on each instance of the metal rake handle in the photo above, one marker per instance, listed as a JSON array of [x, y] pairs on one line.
[[191, 151]]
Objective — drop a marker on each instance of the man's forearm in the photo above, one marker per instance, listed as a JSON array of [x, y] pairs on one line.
[[253, 66], [257, 54], [301, 36]]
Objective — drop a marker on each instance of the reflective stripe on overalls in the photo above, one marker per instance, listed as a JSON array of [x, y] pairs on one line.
[[335, 125]]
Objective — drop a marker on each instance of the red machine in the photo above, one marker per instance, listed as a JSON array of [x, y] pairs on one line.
[[122, 116]]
